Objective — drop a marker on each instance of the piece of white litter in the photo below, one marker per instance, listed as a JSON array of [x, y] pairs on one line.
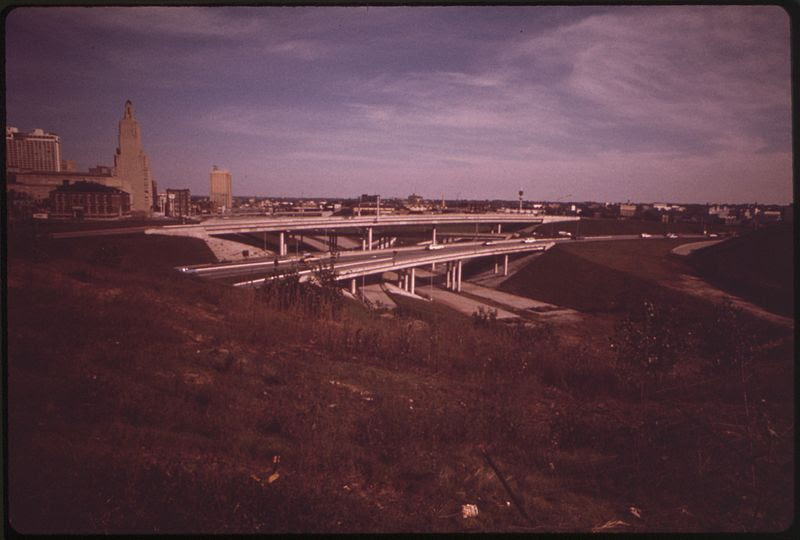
[[469, 510]]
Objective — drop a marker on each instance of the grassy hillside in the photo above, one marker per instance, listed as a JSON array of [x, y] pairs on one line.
[[141, 400], [758, 266]]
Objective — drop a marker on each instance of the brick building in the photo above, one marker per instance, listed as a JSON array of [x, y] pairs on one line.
[[89, 200]]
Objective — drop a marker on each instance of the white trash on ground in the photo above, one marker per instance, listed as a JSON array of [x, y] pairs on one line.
[[469, 510]]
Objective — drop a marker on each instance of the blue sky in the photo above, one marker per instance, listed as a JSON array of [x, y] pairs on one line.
[[649, 103]]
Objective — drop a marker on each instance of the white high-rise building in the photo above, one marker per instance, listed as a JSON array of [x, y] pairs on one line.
[[130, 163], [35, 151]]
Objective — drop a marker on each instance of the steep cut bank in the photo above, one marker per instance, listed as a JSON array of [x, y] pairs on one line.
[[758, 266], [564, 278]]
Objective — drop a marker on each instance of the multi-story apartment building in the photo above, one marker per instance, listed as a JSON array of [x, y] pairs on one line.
[[220, 192], [34, 151]]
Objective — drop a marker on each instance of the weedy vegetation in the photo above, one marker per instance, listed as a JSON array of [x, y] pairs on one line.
[[141, 400]]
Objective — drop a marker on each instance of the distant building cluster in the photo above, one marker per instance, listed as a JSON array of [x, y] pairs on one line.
[[39, 181]]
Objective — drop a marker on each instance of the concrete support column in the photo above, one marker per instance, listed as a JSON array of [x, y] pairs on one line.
[[353, 286], [363, 245], [499, 228], [496, 265], [413, 278], [405, 280], [282, 244], [369, 238], [459, 276], [433, 238], [400, 278], [447, 273], [505, 265]]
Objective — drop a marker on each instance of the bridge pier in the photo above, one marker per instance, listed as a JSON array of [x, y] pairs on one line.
[[282, 244], [433, 238], [369, 238], [413, 279], [505, 265], [353, 286], [459, 276], [496, 265], [447, 272]]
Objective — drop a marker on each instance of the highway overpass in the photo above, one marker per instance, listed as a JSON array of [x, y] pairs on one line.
[[361, 225]]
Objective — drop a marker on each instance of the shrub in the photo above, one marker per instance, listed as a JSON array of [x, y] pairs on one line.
[[648, 343], [729, 339]]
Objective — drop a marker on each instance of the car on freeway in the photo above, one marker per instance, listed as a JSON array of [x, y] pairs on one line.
[[672, 235], [489, 243], [713, 235], [565, 233], [529, 241], [645, 235], [435, 246]]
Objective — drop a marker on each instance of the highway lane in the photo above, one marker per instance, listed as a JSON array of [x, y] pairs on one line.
[[359, 263], [367, 260]]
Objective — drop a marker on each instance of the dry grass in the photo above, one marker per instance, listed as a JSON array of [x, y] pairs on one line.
[[144, 401]]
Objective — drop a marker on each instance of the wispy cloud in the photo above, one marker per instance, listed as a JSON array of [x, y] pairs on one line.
[[622, 101]]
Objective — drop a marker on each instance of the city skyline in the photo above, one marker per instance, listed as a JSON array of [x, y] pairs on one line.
[[666, 103]]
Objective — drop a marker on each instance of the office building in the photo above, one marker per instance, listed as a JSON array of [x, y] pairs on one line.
[[130, 163], [34, 151], [178, 203], [220, 193]]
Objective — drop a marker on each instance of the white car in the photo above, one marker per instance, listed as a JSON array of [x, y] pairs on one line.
[[435, 246], [529, 241], [489, 243], [645, 235], [672, 235]]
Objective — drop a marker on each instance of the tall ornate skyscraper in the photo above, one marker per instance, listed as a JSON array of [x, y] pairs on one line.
[[130, 163], [221, 194]]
